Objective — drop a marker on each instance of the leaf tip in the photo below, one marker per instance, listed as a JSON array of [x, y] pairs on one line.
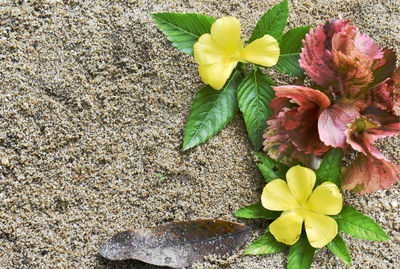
[[247, 252], [385, 237], [187, 145], [238, 214], [155, 15]]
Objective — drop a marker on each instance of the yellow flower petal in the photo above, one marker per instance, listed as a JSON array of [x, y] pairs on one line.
[[276, 196], [263, 51], [326, 199], [207, 51], [287, 228], [226, 32], [216, 74], [301, 181], [320, 229], [217, 54]]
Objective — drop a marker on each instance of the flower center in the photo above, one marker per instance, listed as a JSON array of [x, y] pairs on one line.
[[302, 210], [364, 123]]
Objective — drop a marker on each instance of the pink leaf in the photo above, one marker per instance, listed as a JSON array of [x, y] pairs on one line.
[[353, 76], [365, 130], [339, 58], [386, 95], [367, 46], [295, 121], [381, 96], [371, 170], [303, 96], [332, 124], [277, 143], [368, 174], [316, 58]]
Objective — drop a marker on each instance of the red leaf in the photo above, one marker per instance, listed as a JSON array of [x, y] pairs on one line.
[[386, 95], [369, 174], [381, 96], [316, 57], [385, 67], [177, 244], [353, 76], [344, 61], [371, 171], [365, 130], [355, 56], [294, 124], [332, 124]]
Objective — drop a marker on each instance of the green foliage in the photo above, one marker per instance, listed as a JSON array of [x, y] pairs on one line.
[[266, 244], [273, 22], [359, 226], [254, 95], [270, 168], [338, 246], [292, 40], [301, 254], [289, 64], [331, 168], [211, 111], [183, 29], [160, 176], [290, 47], [256, 211]]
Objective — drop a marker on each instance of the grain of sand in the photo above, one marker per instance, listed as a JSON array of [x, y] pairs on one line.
[[93, 104]]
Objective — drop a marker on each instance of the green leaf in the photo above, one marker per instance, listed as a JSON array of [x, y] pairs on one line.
[[359, 226], [289, 64], [292, 40], [273, 22], [301, 254], [266, 244], [331, 168], [270, 168], [338, 246], [256, 211], [254, 95], [290, 47], [183, 29], [160, 176], [211, 111]]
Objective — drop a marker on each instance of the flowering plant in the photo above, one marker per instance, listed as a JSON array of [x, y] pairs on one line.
[[222, 58], [310, 197], [350, 100], [299, 203], [353, 102]]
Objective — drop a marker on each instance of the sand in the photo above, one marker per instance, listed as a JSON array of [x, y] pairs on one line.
[[93, 104]]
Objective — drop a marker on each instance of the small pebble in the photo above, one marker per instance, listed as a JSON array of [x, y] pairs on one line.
[[5, 161]]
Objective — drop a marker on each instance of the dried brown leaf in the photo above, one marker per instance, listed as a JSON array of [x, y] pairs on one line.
[[177, 244]]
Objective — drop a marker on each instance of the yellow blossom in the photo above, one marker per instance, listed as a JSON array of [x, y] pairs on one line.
[[299, 203], [218, 53]]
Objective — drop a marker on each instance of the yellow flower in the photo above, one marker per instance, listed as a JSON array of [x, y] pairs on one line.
[[218, 53], [299, 203]]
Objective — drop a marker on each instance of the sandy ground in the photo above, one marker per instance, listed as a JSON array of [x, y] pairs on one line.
[[93, 104]]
